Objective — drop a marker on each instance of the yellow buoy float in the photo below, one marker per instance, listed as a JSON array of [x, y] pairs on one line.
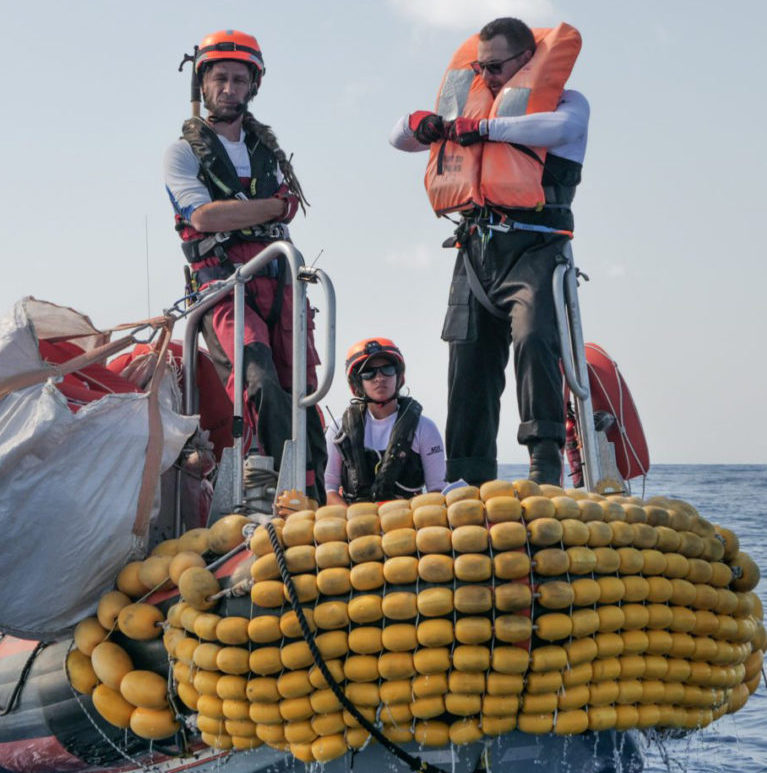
[[509, 605]]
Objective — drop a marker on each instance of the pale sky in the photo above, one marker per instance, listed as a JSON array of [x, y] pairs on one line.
[[668, 217]]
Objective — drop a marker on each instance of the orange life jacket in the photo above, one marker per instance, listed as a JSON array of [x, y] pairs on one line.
[[497, 173]]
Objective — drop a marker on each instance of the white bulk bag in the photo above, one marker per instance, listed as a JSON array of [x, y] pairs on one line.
[[69, 486]]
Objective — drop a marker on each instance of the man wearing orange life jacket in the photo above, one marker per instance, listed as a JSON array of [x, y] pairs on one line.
[[233, 192], [488, 141]]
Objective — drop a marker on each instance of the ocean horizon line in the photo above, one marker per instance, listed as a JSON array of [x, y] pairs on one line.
[[669, 464]]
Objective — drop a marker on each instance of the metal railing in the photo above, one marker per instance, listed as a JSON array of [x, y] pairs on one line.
[[573, 352], [301, 275]]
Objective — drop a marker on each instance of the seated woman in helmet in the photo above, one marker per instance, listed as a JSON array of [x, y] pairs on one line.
[[385, 447]]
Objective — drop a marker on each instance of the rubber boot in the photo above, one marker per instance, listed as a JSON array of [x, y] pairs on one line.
[[545, 462], [270, 401], [316, 455]]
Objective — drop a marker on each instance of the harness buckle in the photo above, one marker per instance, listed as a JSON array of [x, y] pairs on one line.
[[273, 231], [276, 231]]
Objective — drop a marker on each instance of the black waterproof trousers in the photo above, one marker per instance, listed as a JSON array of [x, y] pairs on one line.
[[515, 270]]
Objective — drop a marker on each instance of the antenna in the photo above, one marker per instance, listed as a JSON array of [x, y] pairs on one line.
[[146, 247], [333, 418], [319, 255]]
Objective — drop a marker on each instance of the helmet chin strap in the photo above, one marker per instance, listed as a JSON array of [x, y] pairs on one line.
[[365, 399]]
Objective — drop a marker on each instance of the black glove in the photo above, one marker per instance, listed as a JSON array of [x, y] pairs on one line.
[[427, 127]]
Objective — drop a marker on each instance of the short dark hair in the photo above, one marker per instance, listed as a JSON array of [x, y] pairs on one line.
[[517, 33]]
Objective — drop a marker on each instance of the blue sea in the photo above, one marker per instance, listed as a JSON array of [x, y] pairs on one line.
[[734, 496]]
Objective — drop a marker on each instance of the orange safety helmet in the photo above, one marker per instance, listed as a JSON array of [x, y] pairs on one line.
[[231, 45], [364, 350]]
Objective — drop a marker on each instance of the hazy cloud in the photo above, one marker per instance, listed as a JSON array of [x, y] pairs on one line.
[[459, 14], [616, 270], [663, 35], [357, 93], [416, 257]]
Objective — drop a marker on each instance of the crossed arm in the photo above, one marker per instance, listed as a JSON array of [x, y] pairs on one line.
[[563, 131]]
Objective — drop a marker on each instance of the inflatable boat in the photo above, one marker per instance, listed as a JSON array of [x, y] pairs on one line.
[[200, 617]]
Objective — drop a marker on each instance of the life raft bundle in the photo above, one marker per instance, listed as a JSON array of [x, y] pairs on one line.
[[443, 619]]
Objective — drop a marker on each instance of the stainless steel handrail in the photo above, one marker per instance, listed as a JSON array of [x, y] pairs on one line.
[[300, 275], [573, 352], [564, 276], [209, 298], [329, 359]]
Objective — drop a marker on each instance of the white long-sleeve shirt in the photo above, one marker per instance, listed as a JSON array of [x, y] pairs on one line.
[[563, 131]]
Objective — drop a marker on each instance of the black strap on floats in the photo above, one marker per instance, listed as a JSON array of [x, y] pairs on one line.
[[22, 680], [414, 763]]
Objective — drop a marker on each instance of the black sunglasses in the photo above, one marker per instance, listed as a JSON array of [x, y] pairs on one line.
[[494, 68], [385, 370]]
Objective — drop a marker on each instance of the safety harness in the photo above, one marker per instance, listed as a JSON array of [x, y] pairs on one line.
[[561, 177], [218, 175], [366, 476]]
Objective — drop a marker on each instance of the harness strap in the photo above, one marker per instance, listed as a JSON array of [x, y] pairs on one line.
[[199, 249], [507, 225], [414, 763], [215, 163], [527, 151], [153, 458], [479, 291], [276, 310], [504, 226]]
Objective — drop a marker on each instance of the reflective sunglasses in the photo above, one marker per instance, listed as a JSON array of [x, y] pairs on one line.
[[385, 370], [493, 68]]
